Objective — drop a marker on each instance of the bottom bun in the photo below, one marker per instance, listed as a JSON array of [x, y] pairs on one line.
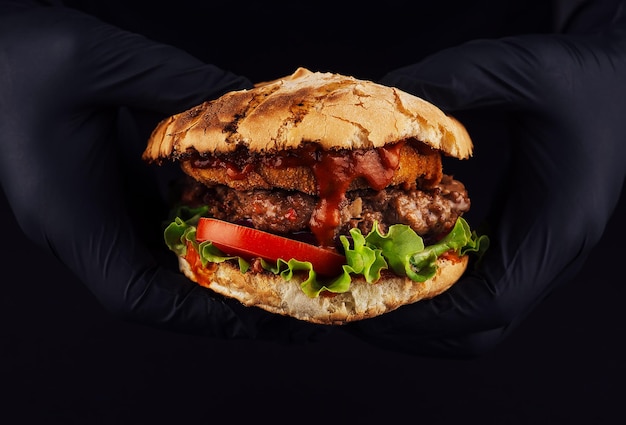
[[364, 300]]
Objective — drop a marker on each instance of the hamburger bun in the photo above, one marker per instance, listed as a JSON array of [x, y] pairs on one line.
[[319, 115], [364, 300], [308, 107]]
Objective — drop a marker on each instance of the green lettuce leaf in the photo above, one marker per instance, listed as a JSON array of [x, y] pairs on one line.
[[311, 286], [461, 239], [400, 249], [361, 258]]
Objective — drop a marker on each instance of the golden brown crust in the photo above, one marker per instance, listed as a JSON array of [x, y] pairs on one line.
[[333, 110], [413, 166], [364, 300]]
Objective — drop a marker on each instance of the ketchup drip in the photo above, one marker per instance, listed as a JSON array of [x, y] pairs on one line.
[[237, 168], [335, 172]]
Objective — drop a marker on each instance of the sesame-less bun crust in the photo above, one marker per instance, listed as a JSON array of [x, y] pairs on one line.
[[332, 110], [335, 112], [364, 300]]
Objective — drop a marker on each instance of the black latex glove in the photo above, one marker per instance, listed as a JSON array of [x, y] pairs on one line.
[[564, 97], [70, 87]]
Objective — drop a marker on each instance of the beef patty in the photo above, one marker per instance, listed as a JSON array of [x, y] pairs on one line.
[[430, 212]]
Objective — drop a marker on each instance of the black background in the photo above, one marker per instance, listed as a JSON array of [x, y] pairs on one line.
[[64, 359]]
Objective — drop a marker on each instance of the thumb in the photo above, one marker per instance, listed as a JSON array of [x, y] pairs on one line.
[[156, 77], [117, 67], [513, 73]]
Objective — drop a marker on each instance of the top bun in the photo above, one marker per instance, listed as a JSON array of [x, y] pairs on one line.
[[332, 110]]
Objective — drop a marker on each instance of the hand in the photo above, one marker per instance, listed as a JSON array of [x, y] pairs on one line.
[[565, 99], [70, 164]]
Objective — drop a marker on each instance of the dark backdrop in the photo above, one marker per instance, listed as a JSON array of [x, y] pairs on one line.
[[64, 359]]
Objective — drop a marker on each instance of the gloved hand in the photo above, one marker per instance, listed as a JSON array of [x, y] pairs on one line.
[[71, 91], [565, 99]]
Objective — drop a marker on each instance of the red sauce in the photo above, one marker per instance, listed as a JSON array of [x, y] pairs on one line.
[[237, 168], [334, 172], [202, 273], [236, 174], [451, 256]]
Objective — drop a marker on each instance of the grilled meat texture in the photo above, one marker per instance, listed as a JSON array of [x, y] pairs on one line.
[[430, 212]]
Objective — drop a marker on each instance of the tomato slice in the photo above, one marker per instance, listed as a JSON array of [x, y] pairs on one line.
[[247, 242]]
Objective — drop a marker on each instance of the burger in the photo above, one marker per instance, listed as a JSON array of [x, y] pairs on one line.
[[318, 196]]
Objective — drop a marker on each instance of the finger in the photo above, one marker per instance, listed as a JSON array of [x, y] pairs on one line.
[[543, 226], [132, 69], [86, 59], [499, 73], [462, 77]]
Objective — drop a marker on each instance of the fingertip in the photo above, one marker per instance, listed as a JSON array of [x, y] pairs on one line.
[[131, 69], [476, 74]]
